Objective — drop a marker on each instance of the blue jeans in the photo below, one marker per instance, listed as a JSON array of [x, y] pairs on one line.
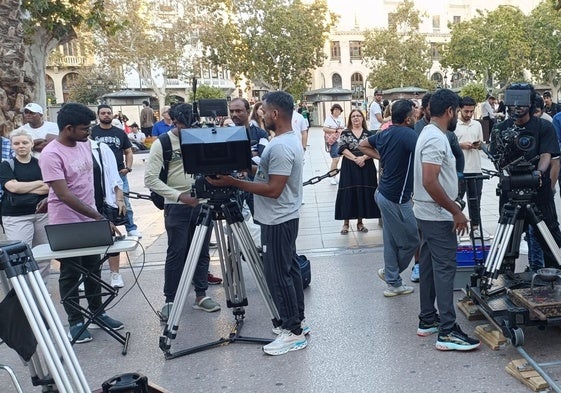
[[437, 268], [401, 237], [181, 221], [535, 252], [130, 225]]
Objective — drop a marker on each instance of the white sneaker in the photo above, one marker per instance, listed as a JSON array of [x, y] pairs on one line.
[[303, 324], [81, 287], [117, 280], [285, 342], [333, 181], [135, 232], [395, 291]]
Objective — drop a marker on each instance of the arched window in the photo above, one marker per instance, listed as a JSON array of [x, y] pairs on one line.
[[336, 81], [357, 85]]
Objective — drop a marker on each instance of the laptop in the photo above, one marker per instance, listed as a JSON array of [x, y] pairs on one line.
[[79, 235]]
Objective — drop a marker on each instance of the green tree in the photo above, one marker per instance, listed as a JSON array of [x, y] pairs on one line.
[[152, 45], [92, 84], [208, 92], [545, 35], [495, 45], [399, 55], [474, 90], [276, 43]]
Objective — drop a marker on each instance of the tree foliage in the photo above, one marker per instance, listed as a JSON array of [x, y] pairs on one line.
[[399, 55], [208, 92], [152, 46], [495, 45], [92, 84], [545, 35], [275, 43], [474, 90]]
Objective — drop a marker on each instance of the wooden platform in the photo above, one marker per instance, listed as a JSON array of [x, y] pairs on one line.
[[544, 303], [491, 336], [526, 374], [469, 309]]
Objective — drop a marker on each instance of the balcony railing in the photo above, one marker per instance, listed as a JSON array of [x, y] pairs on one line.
[[69, 61]]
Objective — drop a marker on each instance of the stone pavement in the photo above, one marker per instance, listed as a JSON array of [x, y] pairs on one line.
[[360, 341]]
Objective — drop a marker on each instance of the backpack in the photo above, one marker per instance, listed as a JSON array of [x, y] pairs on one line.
[[156, 198]]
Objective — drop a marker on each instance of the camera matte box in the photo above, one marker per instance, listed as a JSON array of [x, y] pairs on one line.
[[215, 150]]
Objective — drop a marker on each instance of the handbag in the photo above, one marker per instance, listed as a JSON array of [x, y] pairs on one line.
[[112, 214], [331, 138]]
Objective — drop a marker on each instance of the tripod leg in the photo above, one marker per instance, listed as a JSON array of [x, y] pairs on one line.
[[534, 214], [170, 330], [242, 236]]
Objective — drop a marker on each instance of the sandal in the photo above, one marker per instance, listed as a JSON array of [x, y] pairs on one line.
[[361, 228], [345, 229]]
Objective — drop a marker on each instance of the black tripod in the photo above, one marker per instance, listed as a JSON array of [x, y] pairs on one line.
[[506, 246], [230, 253]]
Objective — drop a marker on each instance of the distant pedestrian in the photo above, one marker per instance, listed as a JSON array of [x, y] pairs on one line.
[[146, 118]]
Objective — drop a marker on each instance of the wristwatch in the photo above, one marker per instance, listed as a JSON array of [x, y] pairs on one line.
[[128, 169]]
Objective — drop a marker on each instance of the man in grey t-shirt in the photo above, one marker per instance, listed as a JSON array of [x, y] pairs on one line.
[[277, 190], [439, 219]]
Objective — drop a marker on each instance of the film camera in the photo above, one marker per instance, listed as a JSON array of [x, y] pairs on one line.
[[211, 150], [517, 174]]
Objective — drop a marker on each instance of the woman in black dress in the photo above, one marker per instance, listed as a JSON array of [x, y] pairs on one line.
[[357, 179]]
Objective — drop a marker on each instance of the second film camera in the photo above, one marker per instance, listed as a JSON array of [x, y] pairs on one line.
[[214, 150]]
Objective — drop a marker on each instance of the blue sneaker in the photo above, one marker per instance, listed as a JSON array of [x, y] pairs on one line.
[[415, 273], [84, 337], [111, 323], [456, 340]]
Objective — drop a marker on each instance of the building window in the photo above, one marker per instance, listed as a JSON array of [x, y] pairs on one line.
[[70, 49], [435, 49], [336, 81], [355, 50], [357, 85], [457, 19], [436, 23], [335, 50]]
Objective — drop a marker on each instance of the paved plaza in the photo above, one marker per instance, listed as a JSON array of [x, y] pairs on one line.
[[360, 340]]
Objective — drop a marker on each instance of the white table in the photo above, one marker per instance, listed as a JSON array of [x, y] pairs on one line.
[[130, 243]]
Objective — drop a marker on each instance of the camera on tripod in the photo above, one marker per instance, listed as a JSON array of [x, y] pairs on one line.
[[211, 150]]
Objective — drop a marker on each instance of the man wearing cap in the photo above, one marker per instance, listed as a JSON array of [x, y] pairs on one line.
[[550, 107], [375, 112], [42, 131], [164, 125]]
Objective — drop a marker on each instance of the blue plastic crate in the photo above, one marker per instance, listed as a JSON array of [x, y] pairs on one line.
[[465, 258]]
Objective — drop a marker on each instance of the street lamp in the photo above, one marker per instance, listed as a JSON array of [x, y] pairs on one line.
[[445, 80]]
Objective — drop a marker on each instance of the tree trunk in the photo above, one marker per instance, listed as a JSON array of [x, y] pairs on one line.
[[13, 87]]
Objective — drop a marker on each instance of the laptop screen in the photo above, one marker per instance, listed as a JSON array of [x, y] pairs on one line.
[[79, 235]]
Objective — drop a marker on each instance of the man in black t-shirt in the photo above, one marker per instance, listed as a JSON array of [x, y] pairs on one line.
[[395, 148], [546, 146]]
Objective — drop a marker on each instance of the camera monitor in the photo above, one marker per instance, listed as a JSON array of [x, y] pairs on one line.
[[517, 97], [213, 108], [215, 150]]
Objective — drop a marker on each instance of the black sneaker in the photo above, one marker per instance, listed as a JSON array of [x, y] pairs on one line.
[[426, 329], [456, 340]]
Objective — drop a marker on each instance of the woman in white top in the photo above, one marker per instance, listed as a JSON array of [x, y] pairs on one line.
[[332, 128]]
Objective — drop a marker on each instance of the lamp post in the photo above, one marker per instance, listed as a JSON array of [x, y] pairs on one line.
[[445, 80]]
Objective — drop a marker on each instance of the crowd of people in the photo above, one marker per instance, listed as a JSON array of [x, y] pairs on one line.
[[80, 163]]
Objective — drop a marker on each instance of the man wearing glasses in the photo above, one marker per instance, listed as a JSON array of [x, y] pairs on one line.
[[42, 131]]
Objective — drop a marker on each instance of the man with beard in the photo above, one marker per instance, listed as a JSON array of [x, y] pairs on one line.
[[278, 197], [439, 218], [239, 113], [546, 146]]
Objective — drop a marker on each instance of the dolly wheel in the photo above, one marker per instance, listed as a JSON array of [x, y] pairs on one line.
[[517, 337]]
